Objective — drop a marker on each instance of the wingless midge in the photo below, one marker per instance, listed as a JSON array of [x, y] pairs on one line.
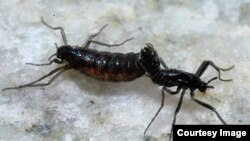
[[105, 66], [177, 78]]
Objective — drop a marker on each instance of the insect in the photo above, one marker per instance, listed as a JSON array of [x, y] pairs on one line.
[[105, 66], [177, 78]]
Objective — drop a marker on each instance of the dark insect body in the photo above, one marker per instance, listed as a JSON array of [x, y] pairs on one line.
[[101, 65], [166, 77]]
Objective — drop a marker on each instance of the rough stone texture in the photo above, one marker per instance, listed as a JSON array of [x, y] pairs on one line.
[[76, 107]]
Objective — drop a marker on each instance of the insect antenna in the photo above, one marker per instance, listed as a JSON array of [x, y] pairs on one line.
[[214, 78]]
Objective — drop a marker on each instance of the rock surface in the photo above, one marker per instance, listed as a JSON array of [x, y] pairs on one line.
[[76, 107]]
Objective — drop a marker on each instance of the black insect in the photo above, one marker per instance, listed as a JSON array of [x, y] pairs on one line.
[[177, 78], [105, 66]]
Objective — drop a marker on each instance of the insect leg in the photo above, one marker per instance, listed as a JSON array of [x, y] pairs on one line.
[[43, 77], [176, 112], [163, 63], [111, 45], [170, 91], [162, 104], [204, 66], [51, 80], [207, 106], [56, 28], [89, 40], [50, 62]]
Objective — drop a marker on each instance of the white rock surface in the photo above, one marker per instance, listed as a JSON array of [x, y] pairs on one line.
[[76, 107]]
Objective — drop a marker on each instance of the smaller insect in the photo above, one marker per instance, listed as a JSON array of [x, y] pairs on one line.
[[166, 77], [105, 66]]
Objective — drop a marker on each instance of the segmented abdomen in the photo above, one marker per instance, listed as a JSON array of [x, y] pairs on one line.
[[106, 66]]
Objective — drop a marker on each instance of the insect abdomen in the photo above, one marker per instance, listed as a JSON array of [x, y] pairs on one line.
[[107, 66]]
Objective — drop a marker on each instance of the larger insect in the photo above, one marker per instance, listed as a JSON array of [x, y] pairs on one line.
[[177, 78], [105, 66]]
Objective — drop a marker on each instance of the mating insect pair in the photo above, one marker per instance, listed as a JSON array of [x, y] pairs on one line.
[[118, 67]]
